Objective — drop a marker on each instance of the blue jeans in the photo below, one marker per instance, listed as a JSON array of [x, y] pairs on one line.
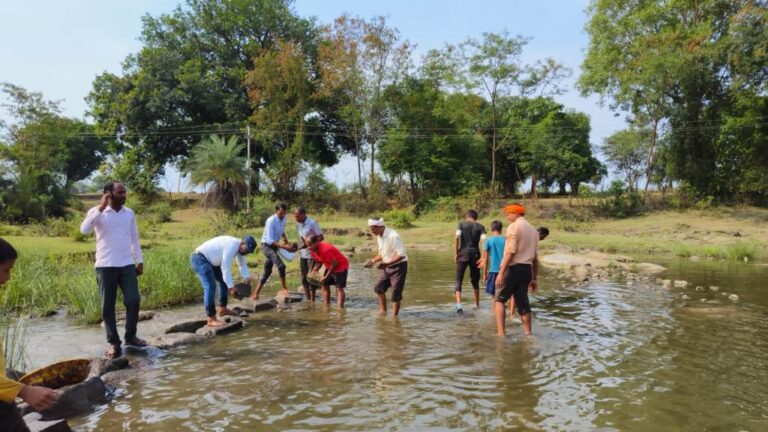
[[209, 276]]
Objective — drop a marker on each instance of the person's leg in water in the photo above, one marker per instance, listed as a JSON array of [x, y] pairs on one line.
[[204, 272], [397, 280], [264, 275], [461, 268], [499, 311], [326, 294], [341, 283], [520, 284], [380, 288], [474, 276], [382, 300]]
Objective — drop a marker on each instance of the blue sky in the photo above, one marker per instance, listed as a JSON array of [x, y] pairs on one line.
[[58, 47]]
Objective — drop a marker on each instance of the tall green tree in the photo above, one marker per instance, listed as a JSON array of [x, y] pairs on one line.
[[626, 151], [683, 63], [43, 154], [188, 79]]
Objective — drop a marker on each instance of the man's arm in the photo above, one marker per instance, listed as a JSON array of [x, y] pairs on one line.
[[535, 270], [456, 248], [243, 266], [484, 264], [503, 267]]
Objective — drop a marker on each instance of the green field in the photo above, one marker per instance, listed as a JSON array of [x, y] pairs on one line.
[[57, 272]]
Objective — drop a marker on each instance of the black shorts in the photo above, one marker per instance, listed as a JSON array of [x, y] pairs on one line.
[[392, 276], [339, 279], [517, 278]]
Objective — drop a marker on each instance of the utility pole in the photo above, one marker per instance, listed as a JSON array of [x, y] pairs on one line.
[[248, 166]]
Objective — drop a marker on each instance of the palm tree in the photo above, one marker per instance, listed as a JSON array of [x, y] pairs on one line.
[[218, 160]]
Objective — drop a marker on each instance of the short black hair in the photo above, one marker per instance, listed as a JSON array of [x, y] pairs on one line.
[[543, 231], [313, 238], [109, 187], [7, 252], [496, 226], [471, 213], [301, 210], [281, 206]]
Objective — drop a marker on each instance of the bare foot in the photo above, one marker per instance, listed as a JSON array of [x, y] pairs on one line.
[[254, 298], [213, 322]]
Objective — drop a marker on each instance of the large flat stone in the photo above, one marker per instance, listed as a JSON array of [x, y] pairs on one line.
[[232, 324], [291, 297], [35, 424], [114, 378], [190, 326], [251, 306], [143, 315], [100, 366], [77, 399], [173, 340]]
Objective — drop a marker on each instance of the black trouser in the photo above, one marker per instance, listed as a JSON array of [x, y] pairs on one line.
[[306, 265], [10, 418], [109, 278], [474, 272], [273, 259], [516, 281]]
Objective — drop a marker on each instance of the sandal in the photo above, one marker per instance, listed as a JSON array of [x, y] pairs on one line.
[[136, 342], [113, 352]]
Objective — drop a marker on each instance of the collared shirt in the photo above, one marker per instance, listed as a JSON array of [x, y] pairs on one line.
[[8, 387], [522, 241], [307, 228], [220, 251], [274, 228], [117, 236], [391, 246], [326, 253]]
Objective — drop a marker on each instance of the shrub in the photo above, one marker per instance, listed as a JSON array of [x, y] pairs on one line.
[[159, 212], [399, 218]]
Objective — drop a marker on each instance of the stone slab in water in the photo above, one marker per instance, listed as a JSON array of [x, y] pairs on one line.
[[292, 297], [143, 315], [173, 340], [77, 399], [251, 306], [35, 424], [114, 378], [232, 324], [190, 326], [100, 366]]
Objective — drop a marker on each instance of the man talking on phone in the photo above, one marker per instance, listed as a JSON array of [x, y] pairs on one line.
[[118, 263]]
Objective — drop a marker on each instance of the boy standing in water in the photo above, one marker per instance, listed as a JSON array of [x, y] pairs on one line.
[[493, 252], [466, 247], [39, 398]]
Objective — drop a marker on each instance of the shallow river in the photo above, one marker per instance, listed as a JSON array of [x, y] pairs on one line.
[[604, 356]]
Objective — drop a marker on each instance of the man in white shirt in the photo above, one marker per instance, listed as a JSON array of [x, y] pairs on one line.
[[274, 231], [212, 261], [393, 263], [306, 227], [118, 263]]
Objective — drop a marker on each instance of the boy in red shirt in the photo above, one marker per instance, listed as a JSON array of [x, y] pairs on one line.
[[336, 268]]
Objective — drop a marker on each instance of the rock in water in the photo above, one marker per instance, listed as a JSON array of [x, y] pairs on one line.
[[100, 366], [581, 273], [232, 324], [251, 306], [733, 297], [35, 424], [681, 284], [291, 297], [77, 399], [172, 340], [190, 326]]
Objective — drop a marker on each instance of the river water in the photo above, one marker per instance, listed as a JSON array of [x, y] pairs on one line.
[[604, 356]]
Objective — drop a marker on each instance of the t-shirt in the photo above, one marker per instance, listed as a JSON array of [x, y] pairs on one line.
[[305, 229], [522, 241], [469, 234], [495, 247], [326, 253]]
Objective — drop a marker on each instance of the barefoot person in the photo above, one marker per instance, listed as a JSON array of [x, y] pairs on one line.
[[393, 263], [517, 273], [212, 261], [336, 268], [306, 227], [39, 398], [274, 230], [466, 253], [493, 252], [543, 233], [118, 263]]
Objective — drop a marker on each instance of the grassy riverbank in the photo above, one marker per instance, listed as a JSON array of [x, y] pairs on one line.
[[56, 272]]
